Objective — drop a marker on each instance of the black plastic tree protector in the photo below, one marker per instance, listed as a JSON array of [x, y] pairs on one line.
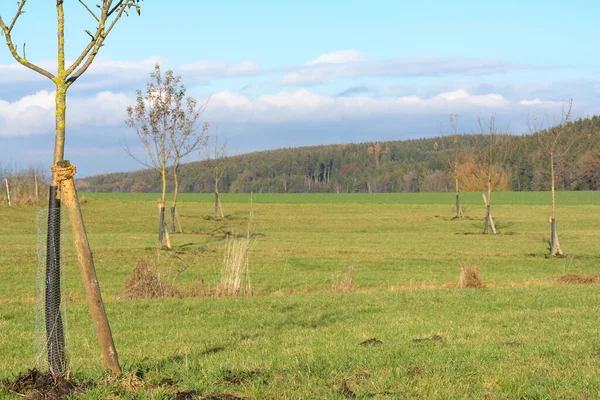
[[55, 339]]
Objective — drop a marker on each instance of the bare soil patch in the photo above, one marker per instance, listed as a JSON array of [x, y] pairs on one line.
[[36, 385], [434, 338], [371, 342]]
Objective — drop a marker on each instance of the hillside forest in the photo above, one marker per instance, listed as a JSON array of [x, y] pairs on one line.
[[421, 165]]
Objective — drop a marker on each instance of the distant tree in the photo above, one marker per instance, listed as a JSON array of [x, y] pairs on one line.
[[555, 142], [155, 117], [453, 158], [491, 156], [108, 13], [218, 166]]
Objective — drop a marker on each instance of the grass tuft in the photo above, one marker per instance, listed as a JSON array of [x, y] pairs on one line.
[[470, 278], [344, 285]]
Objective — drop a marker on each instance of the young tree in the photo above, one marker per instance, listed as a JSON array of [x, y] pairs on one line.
[[219, 167], [494, 155], [453, 159], [108, 13], [186, 137], [157, 117], [555, 142]]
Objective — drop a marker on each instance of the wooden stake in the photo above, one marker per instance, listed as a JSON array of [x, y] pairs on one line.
[[108, 352], [489, 220], [7, 192], [37, 193], [178, 220]]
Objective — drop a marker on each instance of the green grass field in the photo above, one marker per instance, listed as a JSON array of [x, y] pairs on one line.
[[523, 336]]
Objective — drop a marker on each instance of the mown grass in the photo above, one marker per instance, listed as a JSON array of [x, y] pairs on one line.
[[500, 198], [521, 337]]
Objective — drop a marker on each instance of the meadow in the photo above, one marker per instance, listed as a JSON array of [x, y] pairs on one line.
[[402, 330]]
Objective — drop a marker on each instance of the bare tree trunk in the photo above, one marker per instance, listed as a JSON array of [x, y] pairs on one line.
[[217, 202], [459, 213], [37, 191], [458, 210], [161, 222], [174, 213], [55, 343], [555, 249], [108, 352], [486, 222], [489, 220], [221, 208], [7, 192], [173, 218], [163, 233], [167, 236], [178, 220]]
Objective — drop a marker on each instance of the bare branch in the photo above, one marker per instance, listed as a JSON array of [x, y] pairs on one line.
[[119, 4], [97, 40], [130, 154], [90, 11], [17, 15], [12, 48]]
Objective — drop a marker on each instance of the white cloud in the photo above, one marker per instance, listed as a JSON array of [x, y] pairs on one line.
[[27, 115], [337, 57], [209, 70], [35, 114], [542, 103], [106, 74], [304, 104], [351, 64]]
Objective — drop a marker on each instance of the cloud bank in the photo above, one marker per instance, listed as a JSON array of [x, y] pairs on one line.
[[341, 96]]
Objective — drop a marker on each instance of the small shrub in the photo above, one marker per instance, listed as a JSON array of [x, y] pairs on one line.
[[145, 283], [469, 277]]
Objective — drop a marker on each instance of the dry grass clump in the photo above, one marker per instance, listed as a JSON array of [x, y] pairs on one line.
[[235, 270], [469, 277], [344, 285], [574, 279], [145, 283]]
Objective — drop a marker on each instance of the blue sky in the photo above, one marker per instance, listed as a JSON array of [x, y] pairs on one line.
[[289, 73]]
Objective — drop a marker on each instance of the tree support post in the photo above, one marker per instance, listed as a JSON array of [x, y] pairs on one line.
[[163, 232], [7, 192], [64, 172], [459, 213], [489, 220], [555, 249]]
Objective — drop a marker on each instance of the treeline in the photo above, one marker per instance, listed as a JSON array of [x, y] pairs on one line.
[[421, 165]]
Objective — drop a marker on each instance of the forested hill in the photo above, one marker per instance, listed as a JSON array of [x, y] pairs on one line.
[[396, 166]]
